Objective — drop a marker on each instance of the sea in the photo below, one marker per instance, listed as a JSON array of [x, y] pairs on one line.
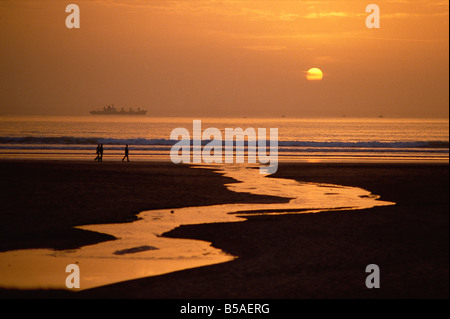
[[299, 139]]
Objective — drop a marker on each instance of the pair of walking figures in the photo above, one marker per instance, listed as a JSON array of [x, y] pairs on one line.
[[99, 157]]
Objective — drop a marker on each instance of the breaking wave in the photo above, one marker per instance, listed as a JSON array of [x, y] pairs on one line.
[[85, 141]]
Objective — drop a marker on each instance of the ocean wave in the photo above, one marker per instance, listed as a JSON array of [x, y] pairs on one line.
[[67, 140], [369, 144]]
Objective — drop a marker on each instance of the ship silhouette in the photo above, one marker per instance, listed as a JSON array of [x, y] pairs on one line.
[[111, 110]]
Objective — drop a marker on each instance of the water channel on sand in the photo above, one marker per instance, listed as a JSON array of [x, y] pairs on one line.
[[140, 251]]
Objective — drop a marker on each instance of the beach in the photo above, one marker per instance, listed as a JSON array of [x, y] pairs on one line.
[[211, 158], [293, 256]]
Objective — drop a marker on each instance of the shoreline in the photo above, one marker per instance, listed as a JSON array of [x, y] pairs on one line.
[[261, 240], [311, 159]]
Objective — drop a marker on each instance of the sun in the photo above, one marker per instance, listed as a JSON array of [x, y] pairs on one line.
[[314, 74]]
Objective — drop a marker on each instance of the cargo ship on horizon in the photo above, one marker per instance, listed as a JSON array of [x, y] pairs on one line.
[[111, 110]]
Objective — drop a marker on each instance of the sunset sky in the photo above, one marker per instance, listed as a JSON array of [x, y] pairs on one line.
[[225, 58]]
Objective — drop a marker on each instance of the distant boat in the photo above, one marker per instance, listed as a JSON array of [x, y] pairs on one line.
[[111, 110]]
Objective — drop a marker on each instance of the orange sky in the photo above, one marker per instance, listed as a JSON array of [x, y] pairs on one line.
[[225, 58]]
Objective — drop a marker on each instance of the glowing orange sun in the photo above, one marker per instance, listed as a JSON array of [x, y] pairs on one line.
[[314, 74]]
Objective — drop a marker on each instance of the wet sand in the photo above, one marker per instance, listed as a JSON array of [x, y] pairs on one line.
[[292, 256]]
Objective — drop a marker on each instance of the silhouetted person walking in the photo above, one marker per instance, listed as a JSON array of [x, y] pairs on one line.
[[98, 153], [126, 154], [100, 159]]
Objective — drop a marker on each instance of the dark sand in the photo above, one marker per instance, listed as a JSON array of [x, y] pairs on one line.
[[293, 256], [42, 200]]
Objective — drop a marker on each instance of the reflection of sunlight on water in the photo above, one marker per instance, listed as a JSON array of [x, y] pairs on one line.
[[140, 251]]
